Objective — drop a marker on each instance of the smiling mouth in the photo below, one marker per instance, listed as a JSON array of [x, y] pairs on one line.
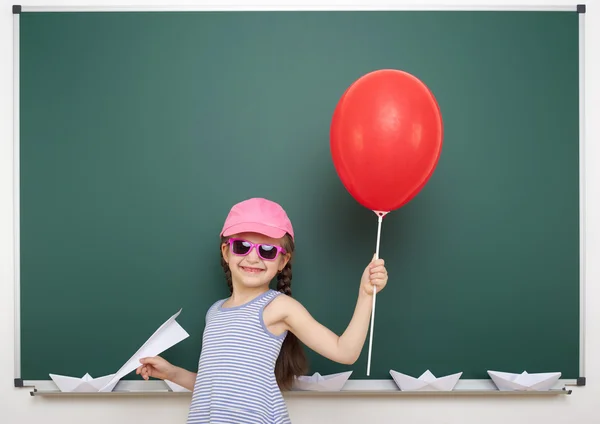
[[251, 270]]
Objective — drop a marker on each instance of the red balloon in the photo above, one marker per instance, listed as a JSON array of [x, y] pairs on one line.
[[386, 138]]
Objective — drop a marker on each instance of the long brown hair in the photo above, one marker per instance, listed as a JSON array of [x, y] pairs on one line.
[[291, 361]]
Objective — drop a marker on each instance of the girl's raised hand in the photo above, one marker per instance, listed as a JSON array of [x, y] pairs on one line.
[[156, 367], [376, 275]]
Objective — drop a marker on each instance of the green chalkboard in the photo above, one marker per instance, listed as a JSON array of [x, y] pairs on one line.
[[138, 131]]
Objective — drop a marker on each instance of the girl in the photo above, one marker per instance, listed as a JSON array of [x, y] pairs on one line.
[[251, 343]]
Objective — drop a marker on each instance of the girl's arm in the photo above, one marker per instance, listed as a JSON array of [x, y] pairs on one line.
[[346, 348], [158, 367], [184, 378]]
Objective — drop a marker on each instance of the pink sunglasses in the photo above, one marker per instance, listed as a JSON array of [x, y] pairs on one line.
[[267, 252]]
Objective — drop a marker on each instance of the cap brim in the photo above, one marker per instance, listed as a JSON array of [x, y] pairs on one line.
[[253, 227]]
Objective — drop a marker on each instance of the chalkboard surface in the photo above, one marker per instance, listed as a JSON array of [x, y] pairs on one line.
[[138, 132]]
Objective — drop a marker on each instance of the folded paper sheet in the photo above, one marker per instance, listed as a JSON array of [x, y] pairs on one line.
[[426, 382], [322, 383], [83, 384], [506, 381], [167, 335]]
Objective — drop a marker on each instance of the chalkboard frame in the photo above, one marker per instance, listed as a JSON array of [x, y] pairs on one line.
[[357, 386]]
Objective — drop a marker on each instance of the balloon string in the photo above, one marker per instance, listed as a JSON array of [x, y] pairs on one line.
[[380, 220]]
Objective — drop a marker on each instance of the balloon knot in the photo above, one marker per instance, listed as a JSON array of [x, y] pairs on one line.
[[381, 213]]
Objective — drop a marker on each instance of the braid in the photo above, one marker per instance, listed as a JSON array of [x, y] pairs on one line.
[[291, 361], [284, 280], [227, 272]]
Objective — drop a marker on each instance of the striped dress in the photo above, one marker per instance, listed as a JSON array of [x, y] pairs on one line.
[[236, 379]]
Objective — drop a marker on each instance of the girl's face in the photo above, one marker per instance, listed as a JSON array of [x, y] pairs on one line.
[[254, 259]]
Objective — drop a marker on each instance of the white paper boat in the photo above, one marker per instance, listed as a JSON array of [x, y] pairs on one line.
[[426, 382], [176, 387], [83, 384], [322, 383], [506, 381]]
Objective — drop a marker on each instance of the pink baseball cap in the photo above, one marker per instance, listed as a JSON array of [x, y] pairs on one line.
[[258, 215]]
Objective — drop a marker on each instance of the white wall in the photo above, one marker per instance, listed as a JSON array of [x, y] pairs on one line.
[[17, 406]]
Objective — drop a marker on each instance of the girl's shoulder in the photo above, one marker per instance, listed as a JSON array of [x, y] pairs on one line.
[[213, 308], [281, 302]]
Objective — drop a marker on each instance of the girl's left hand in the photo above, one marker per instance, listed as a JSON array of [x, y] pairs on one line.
[[376, 275]]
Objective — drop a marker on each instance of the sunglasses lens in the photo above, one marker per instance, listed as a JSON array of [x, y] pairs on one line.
[[267, 251], [240, 247]]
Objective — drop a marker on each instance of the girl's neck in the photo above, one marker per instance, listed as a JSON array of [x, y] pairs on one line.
[[242, 294]]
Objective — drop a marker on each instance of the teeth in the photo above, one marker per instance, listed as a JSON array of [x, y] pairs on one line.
[[251, 269]]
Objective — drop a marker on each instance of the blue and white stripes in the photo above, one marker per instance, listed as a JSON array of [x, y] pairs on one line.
[[236, 379]]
